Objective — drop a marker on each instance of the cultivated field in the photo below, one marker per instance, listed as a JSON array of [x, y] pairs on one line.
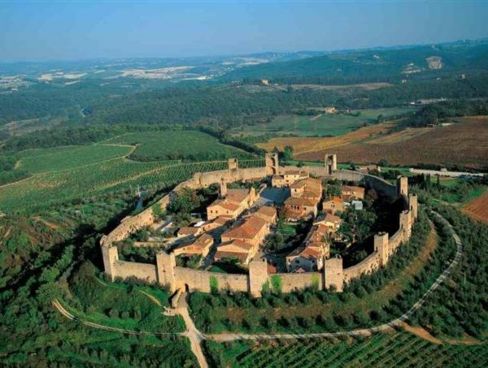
[[464, 143], [399, 349], [177, 144], [311, 145], [478, 208], [320, 124], [82, 182], [69, 157]]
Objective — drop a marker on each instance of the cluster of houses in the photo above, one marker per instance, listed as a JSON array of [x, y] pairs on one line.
[[240, 242], [243, 241], [251, 224]]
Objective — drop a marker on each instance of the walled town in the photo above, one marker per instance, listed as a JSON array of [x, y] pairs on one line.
[[236, 229]]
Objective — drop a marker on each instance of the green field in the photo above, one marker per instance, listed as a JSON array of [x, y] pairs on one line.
[[320, 124], [55, 187], [84, 181], [68, 157], [398, 349], [132, 307], [177, 144]]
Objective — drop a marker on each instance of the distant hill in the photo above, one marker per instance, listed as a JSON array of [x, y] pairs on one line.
[[372, 65]]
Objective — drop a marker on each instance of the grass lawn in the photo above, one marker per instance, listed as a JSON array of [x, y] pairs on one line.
[[320, 124], [120, 305]]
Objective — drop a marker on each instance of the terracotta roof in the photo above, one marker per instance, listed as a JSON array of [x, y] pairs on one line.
[[237, 195], [203, 240], [198, 246], [221, 220], [248, 229], [242, 257], [189, 230], [332, 218], [266, 213], [291, 213], [357, 191], [308, 251], [224, 203], [317, 234], [299, 201], [335, 199], [235, 245]]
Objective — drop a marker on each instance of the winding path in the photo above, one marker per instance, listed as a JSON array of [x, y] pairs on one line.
[[359, 332], [196, 337]]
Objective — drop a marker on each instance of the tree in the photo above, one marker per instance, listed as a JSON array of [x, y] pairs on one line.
[[276, 284], [288, 153], [275, 242], [214, 285]]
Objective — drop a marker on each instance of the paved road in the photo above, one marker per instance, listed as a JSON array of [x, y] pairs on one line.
[[452, 174]]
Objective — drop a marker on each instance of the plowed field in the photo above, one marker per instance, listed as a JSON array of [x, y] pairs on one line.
[[463, 143], [478, 208]]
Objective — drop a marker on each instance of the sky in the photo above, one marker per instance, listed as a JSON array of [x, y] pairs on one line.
[[70, 30]]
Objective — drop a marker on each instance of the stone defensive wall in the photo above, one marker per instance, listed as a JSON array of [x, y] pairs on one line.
[[333, 276]]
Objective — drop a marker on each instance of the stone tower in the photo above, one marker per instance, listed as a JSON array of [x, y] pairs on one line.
[[272, 164], [165, 267], [413, 205], [233, 164], [402, 186], [258, 276], [110, 255], [223, 188], [330, 162], [406, 223], [381, 246], [334, 273]]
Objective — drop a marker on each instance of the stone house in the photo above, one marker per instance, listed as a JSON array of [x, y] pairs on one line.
[[199, 247], [332, 205], [310, 256], [243, 241], [331, 222], [232, 203], [305, 197], [267, 213], [189, 231], [216, 223], [288, 178], [349, 193]]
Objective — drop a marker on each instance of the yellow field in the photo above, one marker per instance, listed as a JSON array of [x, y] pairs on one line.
[[302, 145]]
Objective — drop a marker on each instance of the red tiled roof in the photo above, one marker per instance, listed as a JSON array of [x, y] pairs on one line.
[[224, 203], [248, 229], [299, 201], [266, 213], [189, 230]]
